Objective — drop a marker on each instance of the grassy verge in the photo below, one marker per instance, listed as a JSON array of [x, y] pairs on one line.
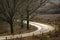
[[17, 29]]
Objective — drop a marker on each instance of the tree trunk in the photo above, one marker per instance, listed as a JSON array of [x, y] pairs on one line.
[[12, 32], [11, 27], [27, 21], [21, 21]]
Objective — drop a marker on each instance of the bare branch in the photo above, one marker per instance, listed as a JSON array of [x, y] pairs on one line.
[[41, 4]]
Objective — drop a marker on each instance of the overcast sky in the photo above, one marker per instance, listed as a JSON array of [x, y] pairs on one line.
[[54, 0]]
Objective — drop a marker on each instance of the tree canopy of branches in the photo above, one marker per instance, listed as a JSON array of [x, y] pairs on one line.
[[8, 8], [30, 6], [25, 8]]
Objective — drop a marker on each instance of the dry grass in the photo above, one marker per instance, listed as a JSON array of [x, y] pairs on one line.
[[5, 29], [50, 19], [36, 37]]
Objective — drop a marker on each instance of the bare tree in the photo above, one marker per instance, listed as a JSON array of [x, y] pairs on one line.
[[32, 6], [28, 7], [8, 9], [24, 7], [20, 11]]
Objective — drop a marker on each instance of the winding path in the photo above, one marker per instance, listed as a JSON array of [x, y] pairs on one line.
[[42, 28]]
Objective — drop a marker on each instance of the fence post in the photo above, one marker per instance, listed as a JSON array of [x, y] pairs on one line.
[[33, 36], [5, 38]]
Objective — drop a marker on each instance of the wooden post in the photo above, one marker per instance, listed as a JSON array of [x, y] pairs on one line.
[[33, 36], [6, 38]]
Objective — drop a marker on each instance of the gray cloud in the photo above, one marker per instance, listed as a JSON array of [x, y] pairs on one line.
[[54, 0]]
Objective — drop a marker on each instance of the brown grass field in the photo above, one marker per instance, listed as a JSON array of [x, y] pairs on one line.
[[51, 19]]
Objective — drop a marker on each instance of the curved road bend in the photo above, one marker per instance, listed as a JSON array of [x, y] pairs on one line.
[[41, 28]]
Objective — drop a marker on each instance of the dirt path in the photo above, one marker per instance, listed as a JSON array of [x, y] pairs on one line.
[[41, 28]]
